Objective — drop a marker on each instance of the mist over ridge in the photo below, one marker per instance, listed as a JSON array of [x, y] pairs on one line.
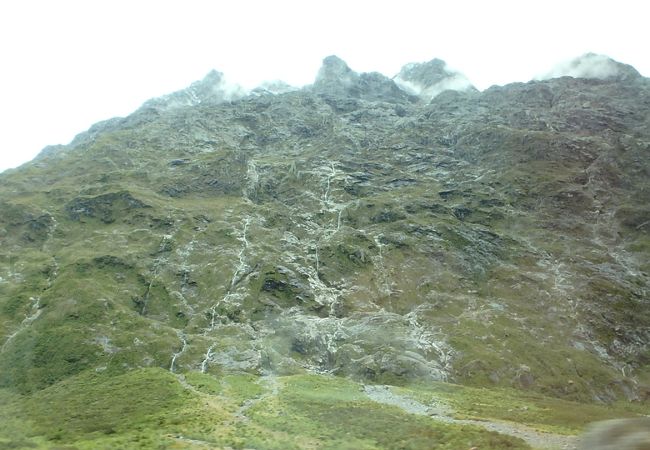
[[425, 80]]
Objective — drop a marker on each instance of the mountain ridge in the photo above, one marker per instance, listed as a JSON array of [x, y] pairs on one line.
[[426, 80]]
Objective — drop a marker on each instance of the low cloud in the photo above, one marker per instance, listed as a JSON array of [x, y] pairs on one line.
[[273, 87], [587, 66], [456, 82]]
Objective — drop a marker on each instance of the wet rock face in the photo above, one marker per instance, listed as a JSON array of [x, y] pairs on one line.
[[495, 238]]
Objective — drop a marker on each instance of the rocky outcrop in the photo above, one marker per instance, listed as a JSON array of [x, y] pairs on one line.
[[336, 79], [427, 80], [213, 88], [105, 207]]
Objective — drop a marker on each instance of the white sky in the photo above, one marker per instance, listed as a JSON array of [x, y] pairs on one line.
[[67, 64]]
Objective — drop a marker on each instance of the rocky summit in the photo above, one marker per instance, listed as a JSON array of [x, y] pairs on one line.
[[363, 263]]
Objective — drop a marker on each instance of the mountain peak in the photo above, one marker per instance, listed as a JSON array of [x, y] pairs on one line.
[[334, 76], [427, 72], [335, 64], [429, 79], [213, 88], [595, 66]]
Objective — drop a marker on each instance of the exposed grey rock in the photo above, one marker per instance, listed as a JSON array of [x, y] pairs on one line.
[[336, 79], [427, 80], [212, 89], [89, 136]]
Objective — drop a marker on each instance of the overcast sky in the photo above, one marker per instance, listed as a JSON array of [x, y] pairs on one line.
[[67, 64]]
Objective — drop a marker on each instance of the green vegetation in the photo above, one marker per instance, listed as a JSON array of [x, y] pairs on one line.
[[150, 408], [125, 409], [528, 408], [336, 412]]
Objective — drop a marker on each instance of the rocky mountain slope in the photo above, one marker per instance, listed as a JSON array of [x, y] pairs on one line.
[[387, 231]]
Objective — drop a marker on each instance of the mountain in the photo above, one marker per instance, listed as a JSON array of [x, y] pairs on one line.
[[276, 269]]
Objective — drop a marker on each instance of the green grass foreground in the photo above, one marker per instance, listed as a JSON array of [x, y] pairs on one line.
[[155, 409]]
